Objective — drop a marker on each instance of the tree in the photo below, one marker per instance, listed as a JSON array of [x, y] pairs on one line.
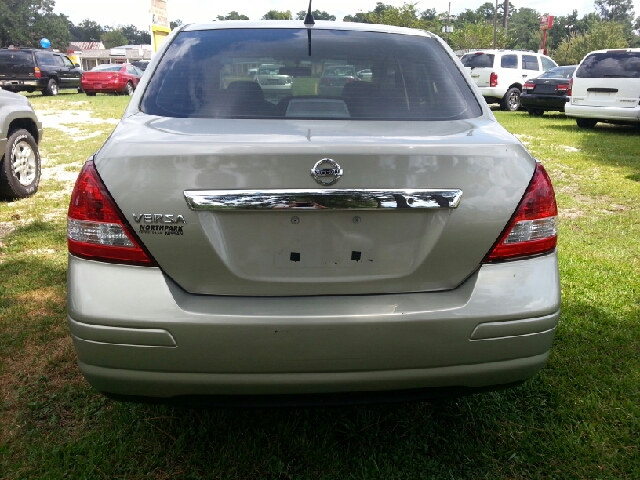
[[113, 38], [602, 35], [232, 16], [25, 22], [477, 35], [86, 31], [175, 23], [524, 29], [317, 15], [359, 17], [615, 10], [276, 15], [135, 36]]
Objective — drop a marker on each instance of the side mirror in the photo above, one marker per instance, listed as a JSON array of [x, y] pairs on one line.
[[76, 65]]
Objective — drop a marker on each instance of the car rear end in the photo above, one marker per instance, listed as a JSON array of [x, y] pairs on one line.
[[606, 87], [480, 66], [252, 250], [273, 84], [104, 79], [19, 71], [334, 78], [549, 91]]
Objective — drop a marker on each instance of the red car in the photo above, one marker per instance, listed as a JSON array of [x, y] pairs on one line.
[[120, 78]]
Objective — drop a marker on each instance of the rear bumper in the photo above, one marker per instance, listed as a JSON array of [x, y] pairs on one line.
[[631, 115], [138, 334], [546, 102]]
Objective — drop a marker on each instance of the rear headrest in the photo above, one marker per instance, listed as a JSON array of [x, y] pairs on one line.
[[357, 89], [249, 90]]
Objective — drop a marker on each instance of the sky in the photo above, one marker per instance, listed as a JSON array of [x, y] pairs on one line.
[[125, 12]]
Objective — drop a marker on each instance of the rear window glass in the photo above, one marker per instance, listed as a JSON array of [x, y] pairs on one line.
[[610, 65], [559, 72], [530, 62], [212, 74], [107, 68], [478, 59], [46, 58], [15, 57]]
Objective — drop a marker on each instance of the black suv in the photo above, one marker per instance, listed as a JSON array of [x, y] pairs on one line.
[[27, 69]]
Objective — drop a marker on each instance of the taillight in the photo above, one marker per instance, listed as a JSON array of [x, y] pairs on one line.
[[533, 229], [96, 229], [570, 89], [37, 73], [563, 88], [493, 79], [528, 86]]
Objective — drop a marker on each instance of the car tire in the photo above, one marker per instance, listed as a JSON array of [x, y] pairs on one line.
[[586, 122], [90, 94], [20, 166], [128, 90], [51, 89], [536, 112], [511, 100]]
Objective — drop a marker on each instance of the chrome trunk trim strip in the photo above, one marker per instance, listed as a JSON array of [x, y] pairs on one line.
[[317, 199]]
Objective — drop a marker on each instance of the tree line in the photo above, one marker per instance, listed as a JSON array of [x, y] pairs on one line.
[[611, 25]]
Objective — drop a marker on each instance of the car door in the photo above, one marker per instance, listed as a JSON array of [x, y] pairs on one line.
[[73, 74], [530, 67], [135, 76]]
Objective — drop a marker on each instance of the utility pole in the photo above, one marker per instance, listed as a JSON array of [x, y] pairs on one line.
[[505, 21], [495, 25]]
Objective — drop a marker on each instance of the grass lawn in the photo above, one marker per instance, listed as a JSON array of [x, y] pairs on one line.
[[578, 419]]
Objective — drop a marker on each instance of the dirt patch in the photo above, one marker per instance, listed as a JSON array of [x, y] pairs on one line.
[[68, 121]]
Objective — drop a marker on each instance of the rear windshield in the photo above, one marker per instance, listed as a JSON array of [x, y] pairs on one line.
[[611, 64], [210, 74], [15, 57], [478, 59], [107, 68], [559, 72]]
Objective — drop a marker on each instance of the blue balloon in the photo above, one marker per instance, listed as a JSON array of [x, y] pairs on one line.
[[45, 43]]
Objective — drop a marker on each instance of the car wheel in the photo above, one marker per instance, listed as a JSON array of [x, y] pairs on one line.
[[90, 94], [128, 90], [20, 166], [586, 122], [536, 112], [52, 88], [511, 100]]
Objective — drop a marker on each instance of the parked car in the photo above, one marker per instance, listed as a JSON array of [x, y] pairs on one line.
[[273, 84], [365, 74], [500, 74], [334, 78], [20, 133], [548, 92], [30, 70], [392, 243], [141, 65], [606, 88], [122, 78]]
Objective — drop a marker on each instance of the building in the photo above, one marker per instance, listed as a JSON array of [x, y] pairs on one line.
[[91, 54]]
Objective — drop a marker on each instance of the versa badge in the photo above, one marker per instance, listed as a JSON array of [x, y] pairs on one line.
[[159, 223]]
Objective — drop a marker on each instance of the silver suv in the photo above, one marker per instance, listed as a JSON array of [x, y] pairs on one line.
[[20, 132], [393, 241], [500, 74]]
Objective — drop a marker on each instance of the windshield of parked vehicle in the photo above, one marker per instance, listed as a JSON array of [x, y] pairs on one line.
[[559, 72], [612, 64], [478, 59], [107, 68], [210, 74]]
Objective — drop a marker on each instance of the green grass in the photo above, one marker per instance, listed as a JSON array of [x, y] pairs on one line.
[[577, 419]]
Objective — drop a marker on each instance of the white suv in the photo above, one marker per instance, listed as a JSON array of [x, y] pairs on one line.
[[500, 74], [606, 88]]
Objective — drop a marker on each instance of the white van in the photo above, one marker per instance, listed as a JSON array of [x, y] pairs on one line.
[[606, 88]]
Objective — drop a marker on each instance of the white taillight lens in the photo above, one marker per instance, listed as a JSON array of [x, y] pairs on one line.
[[97, 233], [529, 230]]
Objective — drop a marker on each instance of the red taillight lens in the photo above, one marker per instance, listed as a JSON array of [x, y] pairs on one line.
[[563, 88], [570, 89], [493, 79], [37, 73], [533, 229], [96, 230], [528, 86]]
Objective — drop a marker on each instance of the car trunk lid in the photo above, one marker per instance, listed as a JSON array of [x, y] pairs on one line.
[[231, 207]]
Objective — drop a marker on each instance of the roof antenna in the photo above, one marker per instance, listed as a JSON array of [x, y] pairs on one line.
[[308, 19], [309, 22]]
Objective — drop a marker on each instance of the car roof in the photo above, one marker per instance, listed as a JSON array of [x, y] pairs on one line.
[[607, 50], [319, 25]]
